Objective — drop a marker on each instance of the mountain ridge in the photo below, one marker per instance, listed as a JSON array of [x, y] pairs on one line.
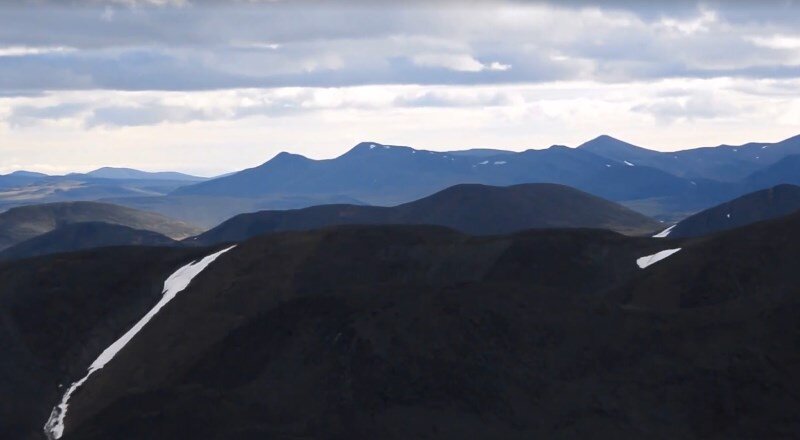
[[469, 208]]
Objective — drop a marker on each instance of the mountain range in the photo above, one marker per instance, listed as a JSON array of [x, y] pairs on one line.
[[409, 332], [666, 185]]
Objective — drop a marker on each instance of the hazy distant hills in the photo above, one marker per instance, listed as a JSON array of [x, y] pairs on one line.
[[24, 188], [413, 332], [761, 205], [129, 173], [470, 208], [79, 236], [23, 223]]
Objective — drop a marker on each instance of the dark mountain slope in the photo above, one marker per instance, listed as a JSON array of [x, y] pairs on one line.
[[753, 267], [410, 332], [80, 236], [754, 207], [23, 223], [474, 209], [58, 312], [354, 304]]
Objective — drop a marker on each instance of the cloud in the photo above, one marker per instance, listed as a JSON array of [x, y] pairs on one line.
[[20, 51], [777, 42], [702, 105], [212, 45], [27, 115], [457, 62]]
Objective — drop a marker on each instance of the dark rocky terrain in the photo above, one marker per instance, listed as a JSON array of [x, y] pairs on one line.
[[761, 205], [417, 331], [79, 236], [58, 312], [23, 223], [470, 208]]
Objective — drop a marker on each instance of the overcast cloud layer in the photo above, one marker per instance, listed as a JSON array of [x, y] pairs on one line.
[[181, 85]]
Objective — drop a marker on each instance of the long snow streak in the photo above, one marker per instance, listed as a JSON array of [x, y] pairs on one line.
[[177, 282], [655, 258]]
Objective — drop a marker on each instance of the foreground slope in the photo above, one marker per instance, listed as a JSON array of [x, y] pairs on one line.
[[474, 209], [80, 236], [58, 312], [23, 223], [761, 205], [419, 331]]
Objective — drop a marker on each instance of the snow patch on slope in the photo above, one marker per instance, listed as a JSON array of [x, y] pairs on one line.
[[177, 282], [655, 258], [665, 232]]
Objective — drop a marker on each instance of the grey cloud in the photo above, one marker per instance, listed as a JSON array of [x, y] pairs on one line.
[[696, 106], [211, 45], [440, 99], [129, 116], [24, 115]]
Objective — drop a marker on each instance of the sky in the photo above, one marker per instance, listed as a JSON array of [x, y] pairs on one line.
[[208, 87]]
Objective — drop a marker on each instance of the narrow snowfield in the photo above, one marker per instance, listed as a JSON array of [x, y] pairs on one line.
[[665, 232], [177, 282], [655, 258]]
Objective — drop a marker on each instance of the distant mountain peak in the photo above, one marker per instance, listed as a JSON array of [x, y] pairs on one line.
[[605, 137], [23, 173], [375, 147], [605, 141]]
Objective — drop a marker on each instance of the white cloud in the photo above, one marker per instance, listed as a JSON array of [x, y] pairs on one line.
[[457, 62], [19, 51], [460, 63], [777, 41], [499, 66], [700, 23]]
